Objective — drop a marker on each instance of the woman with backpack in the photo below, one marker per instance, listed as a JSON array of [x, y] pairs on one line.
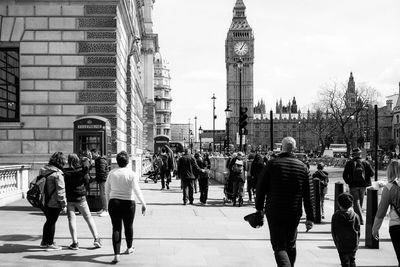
[[55, 198], [390, 197], [76, 179]]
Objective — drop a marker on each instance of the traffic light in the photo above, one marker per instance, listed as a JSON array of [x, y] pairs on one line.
[[243, 120]]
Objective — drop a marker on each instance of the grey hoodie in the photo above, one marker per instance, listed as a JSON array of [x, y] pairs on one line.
[[345, 229], [55, 187]]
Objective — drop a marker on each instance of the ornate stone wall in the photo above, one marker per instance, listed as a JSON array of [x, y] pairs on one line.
[[73, 63]]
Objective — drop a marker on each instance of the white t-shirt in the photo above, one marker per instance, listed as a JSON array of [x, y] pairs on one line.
[[123, 183]]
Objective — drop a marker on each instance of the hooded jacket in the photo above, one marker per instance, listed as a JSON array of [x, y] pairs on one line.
[[345, 228], [76, 180], [55, 187]]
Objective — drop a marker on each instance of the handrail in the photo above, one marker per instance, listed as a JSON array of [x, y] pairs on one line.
[[14, 180]]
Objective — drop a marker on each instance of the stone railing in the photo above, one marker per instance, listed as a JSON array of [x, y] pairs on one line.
[[14, 182]]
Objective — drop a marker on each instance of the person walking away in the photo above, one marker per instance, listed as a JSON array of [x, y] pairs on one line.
[[237, 177], [256, 168], [324, 181], [357, 174], [186, 167], [122, 188], [102, 168], [165, 168], [55, 198], [249, 177], [76, 181], [345, 229], [203, 179], [282, 187], [390, 197]]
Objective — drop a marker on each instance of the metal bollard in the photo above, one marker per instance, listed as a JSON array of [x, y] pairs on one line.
[[317, 199], [372, 208], [339, 188]]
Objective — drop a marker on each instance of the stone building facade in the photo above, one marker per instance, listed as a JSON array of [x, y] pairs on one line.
[[162, 96], [68, 59]]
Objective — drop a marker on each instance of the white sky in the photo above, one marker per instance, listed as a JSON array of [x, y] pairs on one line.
[[299, 46]]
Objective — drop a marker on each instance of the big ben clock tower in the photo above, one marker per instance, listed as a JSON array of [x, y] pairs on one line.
[[239, 59]]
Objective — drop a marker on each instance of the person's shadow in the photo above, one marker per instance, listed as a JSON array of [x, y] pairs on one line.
[[68, 257]]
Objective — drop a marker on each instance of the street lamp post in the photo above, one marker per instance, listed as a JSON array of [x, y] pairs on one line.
[[195, 129], [299, 134], [200, 133], [214, 117], [240, 66], [228, 112]]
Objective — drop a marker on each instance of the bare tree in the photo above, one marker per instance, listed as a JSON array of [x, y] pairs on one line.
[[345, 108], [322, 126]]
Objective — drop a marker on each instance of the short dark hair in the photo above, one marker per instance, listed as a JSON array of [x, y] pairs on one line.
[[57, 160], [122, 159]]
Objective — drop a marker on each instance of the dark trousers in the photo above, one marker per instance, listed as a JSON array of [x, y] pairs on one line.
[[348, 259], [394, 232], [188, 187], [238, 185], [49, 227], [121, 211], [283, 240], [251, 186], [165, 177], [203, 184]]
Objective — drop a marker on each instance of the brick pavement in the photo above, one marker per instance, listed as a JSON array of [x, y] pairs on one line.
[[175, 235]]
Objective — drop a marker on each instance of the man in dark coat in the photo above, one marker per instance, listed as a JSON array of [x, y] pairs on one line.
[[358, 183], [101, 167], [282, 187], [187, 167]]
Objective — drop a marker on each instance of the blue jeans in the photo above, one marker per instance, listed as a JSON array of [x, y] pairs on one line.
[[358, 194], [188, 187], [102, 191]]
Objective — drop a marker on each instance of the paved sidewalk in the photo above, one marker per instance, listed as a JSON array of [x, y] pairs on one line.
[[175, 235]]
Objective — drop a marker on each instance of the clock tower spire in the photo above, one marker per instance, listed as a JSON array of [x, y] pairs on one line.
[[239, 47]]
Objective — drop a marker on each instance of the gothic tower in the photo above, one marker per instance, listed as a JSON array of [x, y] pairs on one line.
[[351, 92], [239, 46]]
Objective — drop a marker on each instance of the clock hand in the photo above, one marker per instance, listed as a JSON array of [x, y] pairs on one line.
[[241, 46]]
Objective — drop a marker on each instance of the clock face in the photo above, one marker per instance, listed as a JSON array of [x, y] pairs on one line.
[[241, 48]]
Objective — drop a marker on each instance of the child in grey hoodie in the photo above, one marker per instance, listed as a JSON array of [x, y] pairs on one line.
[[345, 230]]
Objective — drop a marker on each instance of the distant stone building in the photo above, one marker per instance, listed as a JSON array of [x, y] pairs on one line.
[[62, 60], [162, 95]]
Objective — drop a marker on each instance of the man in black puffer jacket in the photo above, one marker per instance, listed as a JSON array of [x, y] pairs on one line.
[[281, 188]]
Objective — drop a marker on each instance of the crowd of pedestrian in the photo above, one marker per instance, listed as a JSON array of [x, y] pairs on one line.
[[281, 186], [65, 189]]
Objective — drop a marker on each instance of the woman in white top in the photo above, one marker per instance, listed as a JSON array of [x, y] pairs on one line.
[[122, 186], [389, 196]]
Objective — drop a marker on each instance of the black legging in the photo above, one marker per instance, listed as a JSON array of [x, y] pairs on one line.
[[121, 210], [394, 232], [49, 226]]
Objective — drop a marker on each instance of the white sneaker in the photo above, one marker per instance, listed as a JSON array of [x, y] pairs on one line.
[[129, 250], [103, 214]]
